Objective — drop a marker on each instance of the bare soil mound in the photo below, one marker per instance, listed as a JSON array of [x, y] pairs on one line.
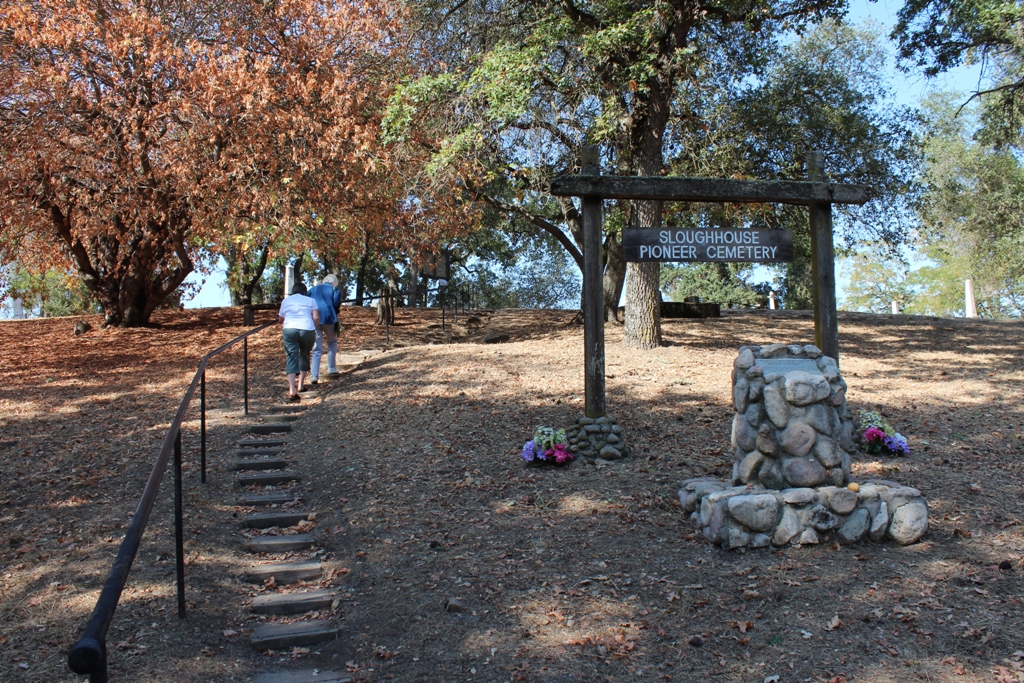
[[576, 574]]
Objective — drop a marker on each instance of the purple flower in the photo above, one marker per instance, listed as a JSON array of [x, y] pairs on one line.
[[531, 452], [897, 444]]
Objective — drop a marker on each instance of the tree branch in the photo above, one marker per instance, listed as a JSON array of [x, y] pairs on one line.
[[578, 16], [537, 221]]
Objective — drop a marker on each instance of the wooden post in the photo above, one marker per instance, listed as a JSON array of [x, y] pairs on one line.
[[823, 266], [593, 292]]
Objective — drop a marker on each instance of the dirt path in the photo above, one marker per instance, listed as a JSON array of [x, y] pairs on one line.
[[578, 574]]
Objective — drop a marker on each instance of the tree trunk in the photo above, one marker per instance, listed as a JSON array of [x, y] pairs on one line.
[[643, 306], [253, 279], [643, 287], [614, 277], [648, 121], [361, 276], [297, 269], [414, 286], [131, 270], [386, 307], [243, 275]]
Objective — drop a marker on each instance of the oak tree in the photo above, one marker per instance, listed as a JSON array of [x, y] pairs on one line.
[[137, 136]]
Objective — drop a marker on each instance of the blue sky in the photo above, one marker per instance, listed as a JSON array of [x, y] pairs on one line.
[[909, 88]]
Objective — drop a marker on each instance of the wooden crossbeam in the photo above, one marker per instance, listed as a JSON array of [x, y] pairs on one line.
[[709, 190]]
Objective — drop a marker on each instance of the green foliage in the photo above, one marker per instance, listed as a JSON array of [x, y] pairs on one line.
[[549, 437], [873, 418], [876, 280], [724, 283], [541, 275], [827, 91], [407, 101], [939, 288], [271, 285], [699, 89], [51, 294], [937, 35], [940, 34], [971, 219]]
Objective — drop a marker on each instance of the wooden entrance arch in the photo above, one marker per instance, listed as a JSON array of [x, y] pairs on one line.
[[817, 194]]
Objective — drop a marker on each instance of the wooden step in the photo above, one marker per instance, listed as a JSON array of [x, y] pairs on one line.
[[283, 417], [265, 520], [291, 408], [305, 676], [293, 603], [270, 428], [266, 478], [285, 572], [250, 452], [284, 636], [260, 443], [260, 499], [261, 464], [279, 544]]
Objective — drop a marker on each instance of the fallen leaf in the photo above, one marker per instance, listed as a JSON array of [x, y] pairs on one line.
[[743, 626]]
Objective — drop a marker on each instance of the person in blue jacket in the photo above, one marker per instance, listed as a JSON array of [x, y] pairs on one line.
[[328, 303]]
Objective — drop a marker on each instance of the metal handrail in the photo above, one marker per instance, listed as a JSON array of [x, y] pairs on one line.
[[89, 654]]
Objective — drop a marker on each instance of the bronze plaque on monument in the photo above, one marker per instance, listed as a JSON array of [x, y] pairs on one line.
[[782, 366]]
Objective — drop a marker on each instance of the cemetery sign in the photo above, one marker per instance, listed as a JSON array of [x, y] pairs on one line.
[[707, 245]]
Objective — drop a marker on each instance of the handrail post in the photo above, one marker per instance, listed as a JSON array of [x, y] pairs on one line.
[[179, 526], [245, 373], [202, 428], [100, 676]]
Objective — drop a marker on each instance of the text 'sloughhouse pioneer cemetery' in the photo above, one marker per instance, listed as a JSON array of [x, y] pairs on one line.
[[702, 246]]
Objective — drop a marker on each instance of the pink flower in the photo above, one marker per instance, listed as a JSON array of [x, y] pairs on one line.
[[873, 434]]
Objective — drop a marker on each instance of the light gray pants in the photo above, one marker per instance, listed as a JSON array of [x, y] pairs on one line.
[[318, 349]]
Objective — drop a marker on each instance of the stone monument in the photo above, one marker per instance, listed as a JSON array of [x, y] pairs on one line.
[[792, 441]]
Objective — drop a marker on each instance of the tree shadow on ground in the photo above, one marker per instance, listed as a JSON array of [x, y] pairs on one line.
[[581, 573]]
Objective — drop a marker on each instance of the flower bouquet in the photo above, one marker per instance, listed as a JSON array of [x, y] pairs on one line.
[[548, 446], [879, 437]]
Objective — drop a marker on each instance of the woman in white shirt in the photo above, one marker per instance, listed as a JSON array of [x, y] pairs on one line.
[[299, 317]]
